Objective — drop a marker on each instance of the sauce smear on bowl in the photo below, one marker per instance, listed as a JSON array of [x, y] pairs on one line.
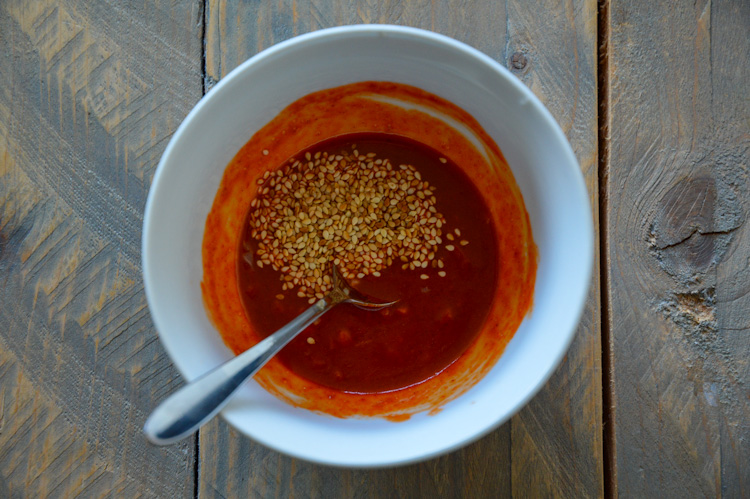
[[465, 285], [444, 297]]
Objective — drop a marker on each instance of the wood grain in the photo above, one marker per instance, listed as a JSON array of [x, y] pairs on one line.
[[89, 94], [553, 447], [679, 247], [91, 91]]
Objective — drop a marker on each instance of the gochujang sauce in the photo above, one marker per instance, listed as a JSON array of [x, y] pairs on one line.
[[440, 310]]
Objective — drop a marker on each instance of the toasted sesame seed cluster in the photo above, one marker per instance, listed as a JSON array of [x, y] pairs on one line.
[[352, 210]]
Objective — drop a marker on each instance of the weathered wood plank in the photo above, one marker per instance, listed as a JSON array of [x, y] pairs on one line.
[[557, 439], [234, 466], [89, 94], [554, 446], [679, 247]]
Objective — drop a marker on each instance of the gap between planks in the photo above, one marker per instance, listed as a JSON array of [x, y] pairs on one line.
[[603, 122]]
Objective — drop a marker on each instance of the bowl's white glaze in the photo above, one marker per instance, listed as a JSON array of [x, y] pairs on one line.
[[537, 151]]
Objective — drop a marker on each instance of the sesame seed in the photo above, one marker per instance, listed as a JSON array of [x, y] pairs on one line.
[[424, 276], [265, 152], [450, 247], [443, 160], [279, 297], [464, 242], [441, 273], [310, 340]]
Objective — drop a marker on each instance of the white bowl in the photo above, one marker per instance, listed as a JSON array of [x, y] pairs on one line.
[[543, 164]]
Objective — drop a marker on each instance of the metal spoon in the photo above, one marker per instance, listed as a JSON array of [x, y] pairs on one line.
[[193, 405]]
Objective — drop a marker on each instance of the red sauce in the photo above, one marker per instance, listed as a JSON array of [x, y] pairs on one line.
[[368, 107], [436, 318]]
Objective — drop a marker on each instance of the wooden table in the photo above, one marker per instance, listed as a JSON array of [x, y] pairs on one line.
[[653, 398]]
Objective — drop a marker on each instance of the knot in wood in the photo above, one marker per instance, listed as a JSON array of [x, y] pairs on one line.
[[518, 61], [692, 226]]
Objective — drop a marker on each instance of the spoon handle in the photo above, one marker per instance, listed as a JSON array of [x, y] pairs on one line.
[[194, 404]]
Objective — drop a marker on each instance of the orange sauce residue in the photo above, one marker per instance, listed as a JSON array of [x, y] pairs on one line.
[[372, 107]]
